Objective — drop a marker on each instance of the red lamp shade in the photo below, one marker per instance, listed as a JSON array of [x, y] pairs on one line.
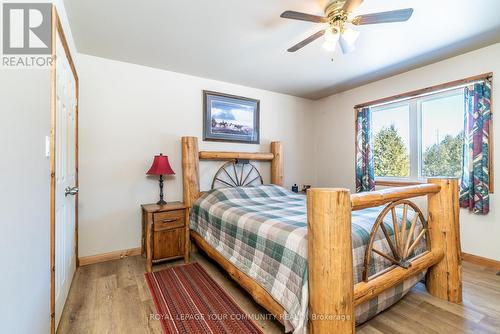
[[160, 166]]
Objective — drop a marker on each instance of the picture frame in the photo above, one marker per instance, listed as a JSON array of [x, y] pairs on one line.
[[230, 118]]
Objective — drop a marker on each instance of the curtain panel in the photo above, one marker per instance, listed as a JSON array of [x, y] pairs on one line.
[[365, 173], [474, 188]]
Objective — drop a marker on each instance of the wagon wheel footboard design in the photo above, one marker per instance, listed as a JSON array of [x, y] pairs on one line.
[[403, 240]]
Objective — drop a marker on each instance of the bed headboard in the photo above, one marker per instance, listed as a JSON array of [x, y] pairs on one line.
[[191, 157]]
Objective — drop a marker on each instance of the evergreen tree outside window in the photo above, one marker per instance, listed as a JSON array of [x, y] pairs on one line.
[[419, 138]]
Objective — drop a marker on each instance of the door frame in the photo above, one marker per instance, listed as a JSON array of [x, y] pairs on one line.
[[57, 30]]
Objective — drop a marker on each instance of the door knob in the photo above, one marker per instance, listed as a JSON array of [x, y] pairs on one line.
[[70, 191]]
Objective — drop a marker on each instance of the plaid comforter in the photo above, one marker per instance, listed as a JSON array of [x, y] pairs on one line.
[[262, 230]]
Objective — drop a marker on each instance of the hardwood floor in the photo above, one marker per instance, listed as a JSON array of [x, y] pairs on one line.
[[112, 297]]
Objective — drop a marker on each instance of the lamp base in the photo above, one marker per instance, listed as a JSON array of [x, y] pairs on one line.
[[161, 202]]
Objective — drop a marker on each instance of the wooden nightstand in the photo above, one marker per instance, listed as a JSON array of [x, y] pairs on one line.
[[165, 232]]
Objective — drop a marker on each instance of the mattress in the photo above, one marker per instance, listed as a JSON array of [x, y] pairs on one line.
[[262, 230]]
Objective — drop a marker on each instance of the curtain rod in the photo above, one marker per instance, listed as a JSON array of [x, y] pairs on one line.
[[426, 90]]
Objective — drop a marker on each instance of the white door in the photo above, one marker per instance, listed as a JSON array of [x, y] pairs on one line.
[[65, 178]]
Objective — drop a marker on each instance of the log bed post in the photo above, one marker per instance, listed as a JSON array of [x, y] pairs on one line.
[[444, 279], [277, 163], [331, 305], [190, 170]]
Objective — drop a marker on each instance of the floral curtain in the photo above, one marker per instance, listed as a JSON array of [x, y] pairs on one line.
[[365, 174], [474, 188]]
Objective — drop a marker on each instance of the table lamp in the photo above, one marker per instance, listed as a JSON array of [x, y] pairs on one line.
[[161, 167]]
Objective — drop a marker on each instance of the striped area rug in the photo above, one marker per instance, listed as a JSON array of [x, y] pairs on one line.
[[189, 301]]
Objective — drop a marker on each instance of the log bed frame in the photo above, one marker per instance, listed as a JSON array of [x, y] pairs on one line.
[[332, 293]]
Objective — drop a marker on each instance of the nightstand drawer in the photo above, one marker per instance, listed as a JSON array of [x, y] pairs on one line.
[[169, 220], [168, 216], [168, 224]]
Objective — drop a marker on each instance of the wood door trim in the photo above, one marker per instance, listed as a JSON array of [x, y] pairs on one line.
[[52, 175], [57, 30]]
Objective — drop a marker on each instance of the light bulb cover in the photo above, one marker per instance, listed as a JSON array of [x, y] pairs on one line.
[[329, 46], [348, 39]]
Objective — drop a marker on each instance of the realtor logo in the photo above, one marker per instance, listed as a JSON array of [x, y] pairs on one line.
[[27, 28]]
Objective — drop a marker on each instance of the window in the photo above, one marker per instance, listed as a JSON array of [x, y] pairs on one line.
[[419, 137]]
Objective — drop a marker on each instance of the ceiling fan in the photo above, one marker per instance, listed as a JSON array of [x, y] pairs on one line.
[[338, 17]]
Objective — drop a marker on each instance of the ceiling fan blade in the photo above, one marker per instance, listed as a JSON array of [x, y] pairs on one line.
[[351, 5], [290, 14], [384, 17], [306, 41]]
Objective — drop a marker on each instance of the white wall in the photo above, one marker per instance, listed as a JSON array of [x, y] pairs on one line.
[[334, 135], [130, 113], [24, 201]]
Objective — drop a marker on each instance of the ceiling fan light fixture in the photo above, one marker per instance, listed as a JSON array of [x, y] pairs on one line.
[[348, 40], [338, 14]]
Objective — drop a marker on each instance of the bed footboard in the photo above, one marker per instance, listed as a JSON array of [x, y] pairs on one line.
[[331, 289], [333, 295], [444, 280]]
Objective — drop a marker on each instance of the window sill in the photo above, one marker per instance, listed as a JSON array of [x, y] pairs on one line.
[[394, 182]]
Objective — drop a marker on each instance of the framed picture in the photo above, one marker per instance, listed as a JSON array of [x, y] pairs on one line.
[[230, 118]]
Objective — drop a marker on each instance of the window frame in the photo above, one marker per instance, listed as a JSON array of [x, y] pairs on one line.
[[415, 132], [429, 90]]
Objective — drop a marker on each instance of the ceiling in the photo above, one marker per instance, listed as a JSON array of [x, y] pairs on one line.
[[245, 42]]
